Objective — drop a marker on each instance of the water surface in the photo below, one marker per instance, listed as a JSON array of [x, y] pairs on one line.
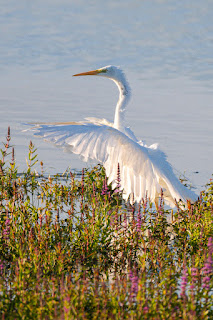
[[165, 48]]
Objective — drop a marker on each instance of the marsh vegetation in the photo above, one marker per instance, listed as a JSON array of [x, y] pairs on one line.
[[70, 248]]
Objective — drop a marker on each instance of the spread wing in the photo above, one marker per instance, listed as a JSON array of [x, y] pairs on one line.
[[143, 170]]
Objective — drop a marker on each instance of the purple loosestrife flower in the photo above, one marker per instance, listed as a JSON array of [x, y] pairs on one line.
[[94, 192], [206, 272], [134, 283], [205, 282], [66, 305], [105, 187], [145, 309], [1, 267], [194, 273], [210, 243], [118, 180], [139, 218], [184, 280], [82, 191], [109, 195], [160, 210], [125, 220], [6, 230], [210, 247], [207, 269]]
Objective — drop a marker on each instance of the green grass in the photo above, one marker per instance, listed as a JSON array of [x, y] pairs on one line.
[[70, 248]]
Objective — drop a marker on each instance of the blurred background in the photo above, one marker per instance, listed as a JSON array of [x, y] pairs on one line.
[[164, 46]]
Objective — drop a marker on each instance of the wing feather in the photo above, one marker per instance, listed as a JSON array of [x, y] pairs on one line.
[[143, 170]]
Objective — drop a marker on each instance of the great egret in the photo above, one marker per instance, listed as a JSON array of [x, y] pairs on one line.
[[144, 170]]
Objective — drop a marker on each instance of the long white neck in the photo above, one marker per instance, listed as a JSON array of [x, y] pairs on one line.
[[124, 96]]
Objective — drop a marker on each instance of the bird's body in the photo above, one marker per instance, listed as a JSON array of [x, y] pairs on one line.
[[144, 171]]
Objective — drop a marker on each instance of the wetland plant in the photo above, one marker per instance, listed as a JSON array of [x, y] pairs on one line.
[[70, 248]]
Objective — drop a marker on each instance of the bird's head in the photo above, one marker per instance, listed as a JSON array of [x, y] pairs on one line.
[[111, 72]]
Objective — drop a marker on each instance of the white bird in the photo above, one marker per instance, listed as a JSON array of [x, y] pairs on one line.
[[144, 170]]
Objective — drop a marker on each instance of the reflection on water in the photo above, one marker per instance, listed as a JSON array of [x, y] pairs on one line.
[[165, 48]]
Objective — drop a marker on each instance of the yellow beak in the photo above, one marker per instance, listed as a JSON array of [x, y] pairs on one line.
[[89, 73]]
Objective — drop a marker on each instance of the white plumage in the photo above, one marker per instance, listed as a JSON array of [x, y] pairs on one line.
[[144, 171]]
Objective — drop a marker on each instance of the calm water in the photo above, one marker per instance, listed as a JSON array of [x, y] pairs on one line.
[[165, 48]]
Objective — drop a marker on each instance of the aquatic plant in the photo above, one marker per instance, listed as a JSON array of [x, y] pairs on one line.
[[70, 248]]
